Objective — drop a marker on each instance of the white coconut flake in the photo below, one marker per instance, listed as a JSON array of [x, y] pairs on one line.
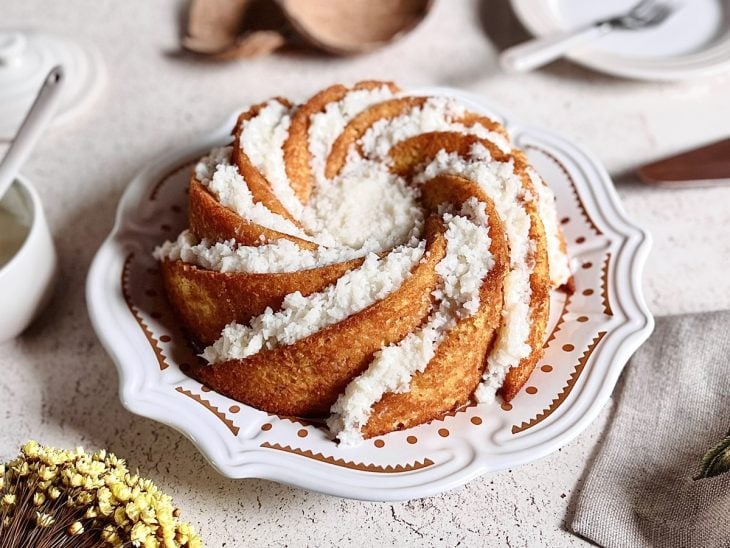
[[326, 126], [467, 260], [229, 188], [262, 139], [557, 259], [500, 182], [206, 166], [462, 271], [366, 207], [273, 257], [301, 316]]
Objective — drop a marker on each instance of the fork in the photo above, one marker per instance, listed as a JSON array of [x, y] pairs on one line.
[[541, 51]]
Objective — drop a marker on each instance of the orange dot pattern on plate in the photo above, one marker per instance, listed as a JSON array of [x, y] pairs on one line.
[[234, 409], [546, 368], [302, 433], [582, 319], [506, 406], [412, 439], [580, 240], [568, 347], [165, 338], [588, 292], [443, 432], [564, 220], [476, 421], [379, 444], [587, 265], [531, 390], [205, 389], [266, 427]]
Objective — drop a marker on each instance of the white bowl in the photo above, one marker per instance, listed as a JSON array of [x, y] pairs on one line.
[[26, 280]]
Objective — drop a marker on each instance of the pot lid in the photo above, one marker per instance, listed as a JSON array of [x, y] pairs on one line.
[[26, 57]]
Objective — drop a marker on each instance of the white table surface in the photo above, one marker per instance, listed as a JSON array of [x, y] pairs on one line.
[[59, 386]]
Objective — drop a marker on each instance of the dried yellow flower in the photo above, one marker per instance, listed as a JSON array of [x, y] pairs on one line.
[[38, 499], [76, 528], [43, 519], [120, 516], [22, 469], [148, 515], [132, 511], [139, 534], [121, 491], [84, 498], [105, 507], [109, 534], [76, 480], [31, 449], [47, 473], [8, 500]]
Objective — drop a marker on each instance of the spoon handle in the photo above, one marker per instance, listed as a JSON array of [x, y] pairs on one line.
[[35, 122], [541, 51]]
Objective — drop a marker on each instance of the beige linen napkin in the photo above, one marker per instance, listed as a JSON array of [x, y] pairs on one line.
[[675, 405]]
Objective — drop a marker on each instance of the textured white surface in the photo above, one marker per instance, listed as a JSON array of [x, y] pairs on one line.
[[59, 386]]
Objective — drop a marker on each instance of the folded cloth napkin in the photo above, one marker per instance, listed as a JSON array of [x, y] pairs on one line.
[[675, 406]]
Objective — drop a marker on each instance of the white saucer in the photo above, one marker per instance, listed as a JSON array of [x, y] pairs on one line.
[[26, 56], [693, 42]]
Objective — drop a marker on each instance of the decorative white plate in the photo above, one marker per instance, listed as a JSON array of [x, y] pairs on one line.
[[693, 42], [593, 334]]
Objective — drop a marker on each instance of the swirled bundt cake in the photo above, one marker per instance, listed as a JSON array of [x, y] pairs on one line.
[[369, 256]]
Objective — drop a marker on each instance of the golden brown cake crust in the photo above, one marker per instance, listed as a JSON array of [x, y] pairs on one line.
[[358, 126], [297, 158], [206, 300], [413, 153], [210, 220], [304, 378], [259, 186], [388, 110], [455, 371]]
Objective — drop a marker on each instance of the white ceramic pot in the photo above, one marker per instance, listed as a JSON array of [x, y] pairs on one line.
[[26, 279]]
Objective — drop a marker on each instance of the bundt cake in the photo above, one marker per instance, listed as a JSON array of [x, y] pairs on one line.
[[368, 256]]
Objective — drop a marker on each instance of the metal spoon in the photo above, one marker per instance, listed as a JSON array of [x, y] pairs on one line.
[[541, 51], [35, 122]]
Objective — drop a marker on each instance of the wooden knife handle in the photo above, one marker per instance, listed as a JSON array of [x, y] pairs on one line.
[[707, 165]]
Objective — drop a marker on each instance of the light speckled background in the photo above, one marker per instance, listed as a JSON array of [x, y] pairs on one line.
[[59, 386]]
